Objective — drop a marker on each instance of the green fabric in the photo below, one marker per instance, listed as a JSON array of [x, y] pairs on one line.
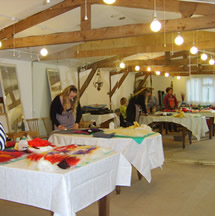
[[123, 111], [138, 140]]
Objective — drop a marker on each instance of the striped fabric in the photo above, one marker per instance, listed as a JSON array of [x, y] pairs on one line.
[[2, 138]]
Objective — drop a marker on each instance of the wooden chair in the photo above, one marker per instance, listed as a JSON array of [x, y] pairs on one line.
[[48, 125], [33, 125]]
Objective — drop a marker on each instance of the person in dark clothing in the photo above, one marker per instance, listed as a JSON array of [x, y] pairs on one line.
[[136, 106], [65, 111]]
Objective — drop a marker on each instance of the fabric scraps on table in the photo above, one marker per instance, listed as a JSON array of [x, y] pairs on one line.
[[64, 156], [10, 155], [37, 142]]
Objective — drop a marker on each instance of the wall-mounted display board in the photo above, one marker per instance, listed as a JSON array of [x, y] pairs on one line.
[[11, 96], [54, 82]]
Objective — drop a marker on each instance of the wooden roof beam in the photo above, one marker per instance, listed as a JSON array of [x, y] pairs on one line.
[[183, 24], [40, 17]]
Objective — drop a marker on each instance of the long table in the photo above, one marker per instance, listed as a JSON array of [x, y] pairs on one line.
[[65, 192], [197, 125], [144, 156], [209, 114]]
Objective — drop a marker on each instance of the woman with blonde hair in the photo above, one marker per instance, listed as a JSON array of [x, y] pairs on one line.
[[65, 109]]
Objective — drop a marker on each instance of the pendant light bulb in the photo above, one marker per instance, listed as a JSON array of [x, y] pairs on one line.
[[109, 1], [149, 68], [158, 73], [137, 68], [166, 74], [178, 77], [155, 25], [0, 44], [211, 61], [43, 52], [194, 50], [122, 65], [179, 40], [204, 56]]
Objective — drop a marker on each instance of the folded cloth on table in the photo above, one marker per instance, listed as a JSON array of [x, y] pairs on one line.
[[77, 131], [103, 135], [138, 140]]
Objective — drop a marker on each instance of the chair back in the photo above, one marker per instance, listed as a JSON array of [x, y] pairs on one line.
[[33, 124], [48, 125]]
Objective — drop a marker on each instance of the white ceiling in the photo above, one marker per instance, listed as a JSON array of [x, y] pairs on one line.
[[12, 11]]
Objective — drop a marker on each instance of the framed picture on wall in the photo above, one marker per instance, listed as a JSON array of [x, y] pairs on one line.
[[54, 82], [2, 108]]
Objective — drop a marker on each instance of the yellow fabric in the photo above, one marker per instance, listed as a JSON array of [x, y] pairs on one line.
[[123, 111]]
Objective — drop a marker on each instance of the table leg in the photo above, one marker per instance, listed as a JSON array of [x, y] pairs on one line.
[[118, 189], [104, 206], [139, 175], [190, 136], [211, 121], [183, 137]]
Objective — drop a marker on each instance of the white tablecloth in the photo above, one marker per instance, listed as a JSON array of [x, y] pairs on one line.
[[66, 191], [207, 114], [99, 119], [144, 157], [196, 124]]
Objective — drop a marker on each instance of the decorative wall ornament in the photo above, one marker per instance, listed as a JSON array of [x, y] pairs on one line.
[[98, 83]]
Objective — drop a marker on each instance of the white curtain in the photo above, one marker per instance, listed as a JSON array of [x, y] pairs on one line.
[[201, 90]]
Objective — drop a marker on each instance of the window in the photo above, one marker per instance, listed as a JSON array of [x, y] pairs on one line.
[[201, 90]]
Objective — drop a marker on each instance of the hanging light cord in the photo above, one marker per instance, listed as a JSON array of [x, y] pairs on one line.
[[164, 24], [86, 18], [155, 13]]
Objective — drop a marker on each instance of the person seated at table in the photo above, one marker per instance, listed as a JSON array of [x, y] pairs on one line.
[[151, 102], [2, 138], [136, 107], [170, 101], [65, 111], [123, 107]]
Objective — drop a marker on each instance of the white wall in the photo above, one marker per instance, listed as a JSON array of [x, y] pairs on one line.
[[34, 89], [93, 96], [41, 93], [24, 76], [160, 83]]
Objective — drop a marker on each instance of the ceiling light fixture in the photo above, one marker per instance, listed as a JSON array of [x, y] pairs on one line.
[[166, 74], [211, 61], [48, 1], [98, 81], [178, 77], [155, 24], [204, 56], [122, 65], [179, 40], [158, 73], [0, 44], [109, 1], [137, 68], [194, 50], [149, 69], [43, 52]]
